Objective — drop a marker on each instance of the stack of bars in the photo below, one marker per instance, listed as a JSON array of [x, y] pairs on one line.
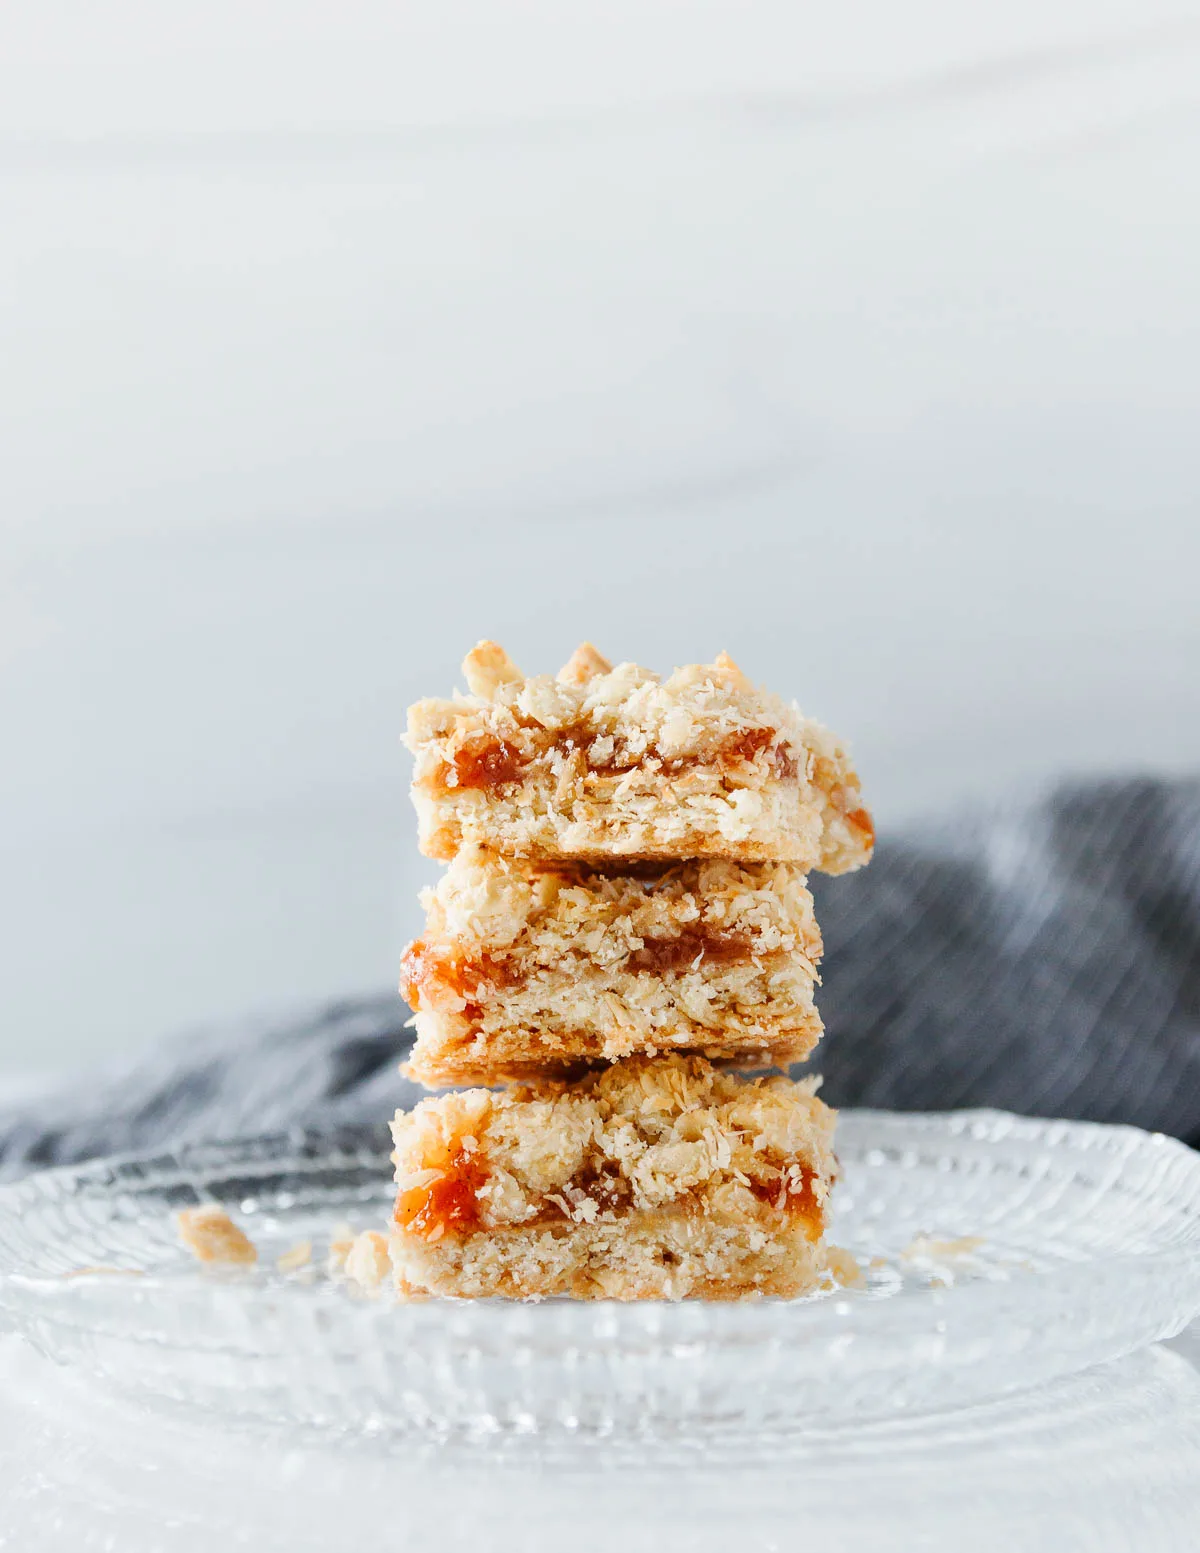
[[625, 920]]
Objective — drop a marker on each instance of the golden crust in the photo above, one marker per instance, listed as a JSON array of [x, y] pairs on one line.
[[652, 1256], [454, 1053], [606, 762], [526, 968]]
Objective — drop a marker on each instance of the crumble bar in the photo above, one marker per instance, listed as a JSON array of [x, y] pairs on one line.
[[528, 969], [652, 1179], [601, 762]]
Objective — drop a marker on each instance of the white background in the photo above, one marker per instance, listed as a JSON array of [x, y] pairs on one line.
[[860, 340]]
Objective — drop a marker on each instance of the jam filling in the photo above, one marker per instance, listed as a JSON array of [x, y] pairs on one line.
[[645, 870], [745, 746], [660, 955], [426, 968], [612, 1192], [447, 1206], [606, 1186], [801, 1205], [786, 767], [489, 763]]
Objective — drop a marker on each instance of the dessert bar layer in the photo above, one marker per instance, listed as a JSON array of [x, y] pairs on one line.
[[600, 763], [529, 969], [651, 1179]]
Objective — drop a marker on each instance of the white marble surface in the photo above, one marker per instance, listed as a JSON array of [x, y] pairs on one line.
[[859, 340]]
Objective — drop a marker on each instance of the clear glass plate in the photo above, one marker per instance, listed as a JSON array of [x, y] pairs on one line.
[[997, 1253]]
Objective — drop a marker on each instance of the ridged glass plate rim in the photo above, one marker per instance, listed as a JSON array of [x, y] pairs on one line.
[[206, 1170], [1147, 1291]]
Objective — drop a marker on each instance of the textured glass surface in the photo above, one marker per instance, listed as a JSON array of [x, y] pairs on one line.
[[1105, 1461], [997, 1253]]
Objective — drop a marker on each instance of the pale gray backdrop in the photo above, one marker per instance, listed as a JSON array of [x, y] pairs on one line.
[[861, 343]]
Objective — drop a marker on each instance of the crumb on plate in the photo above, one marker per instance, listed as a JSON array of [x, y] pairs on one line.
[[101, 1271], [211, 1236], [928, 1245], [367, 1261], [299, 1255], [844, 1267]]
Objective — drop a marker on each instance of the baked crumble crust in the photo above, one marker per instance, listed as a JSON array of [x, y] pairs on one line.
[[602, 762], [654, 1178], [528, 968]]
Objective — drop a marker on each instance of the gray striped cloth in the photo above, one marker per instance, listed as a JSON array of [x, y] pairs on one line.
[[1042, 957]]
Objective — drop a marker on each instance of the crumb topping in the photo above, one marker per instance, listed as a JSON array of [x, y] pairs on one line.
[[600, 760], [616, 718], [671, 1133], [485, 904]]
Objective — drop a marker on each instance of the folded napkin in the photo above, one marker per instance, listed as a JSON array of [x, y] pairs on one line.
[[1042, 956]]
